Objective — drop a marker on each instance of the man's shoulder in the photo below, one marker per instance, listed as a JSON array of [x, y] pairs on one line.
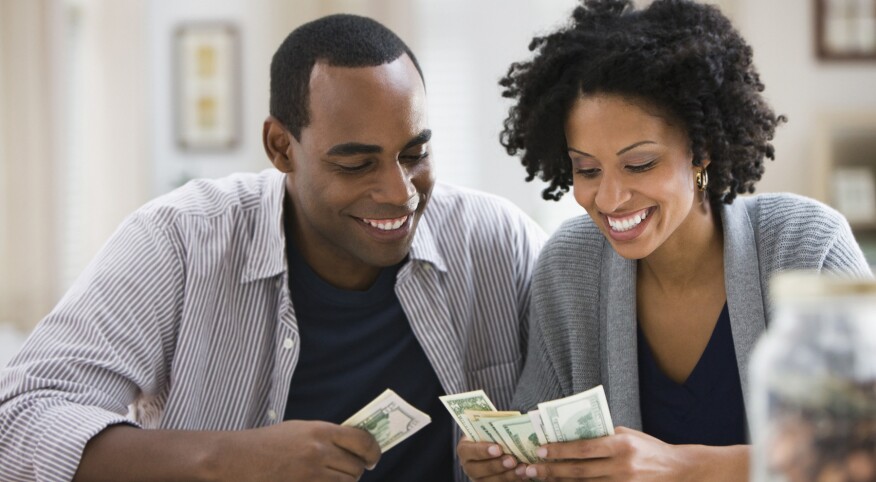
[[471, 211], [210, 198], [449, 199]]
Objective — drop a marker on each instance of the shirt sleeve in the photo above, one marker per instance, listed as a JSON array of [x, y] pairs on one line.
[[529, 244], [107, 343]]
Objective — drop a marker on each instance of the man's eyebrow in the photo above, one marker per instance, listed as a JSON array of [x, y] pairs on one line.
[[356, 148], [625, 149], [422, 138], [353, 149]]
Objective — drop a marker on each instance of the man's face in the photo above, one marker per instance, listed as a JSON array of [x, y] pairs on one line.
[[361, 172]]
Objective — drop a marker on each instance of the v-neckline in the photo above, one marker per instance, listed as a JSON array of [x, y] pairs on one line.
[[694, 384]]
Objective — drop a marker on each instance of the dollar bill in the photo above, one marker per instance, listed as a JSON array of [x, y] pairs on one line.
[[390, 419], [458, 403], [519, 436], [581, 416], [490, 434], [475, 416], [535, 417]]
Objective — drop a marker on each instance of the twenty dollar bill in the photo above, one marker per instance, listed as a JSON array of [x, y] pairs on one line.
[[390, 419]]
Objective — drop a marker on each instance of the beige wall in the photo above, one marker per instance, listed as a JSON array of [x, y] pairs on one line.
[[27, 257], [70, 174], [808, 91]]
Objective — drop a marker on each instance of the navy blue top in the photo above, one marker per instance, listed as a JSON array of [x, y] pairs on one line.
[[707, 408], [355, 345]]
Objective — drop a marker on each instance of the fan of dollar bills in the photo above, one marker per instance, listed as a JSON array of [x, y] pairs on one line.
[[581, 416]]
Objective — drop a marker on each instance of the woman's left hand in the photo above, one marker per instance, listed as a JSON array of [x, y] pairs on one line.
[[628, 455]]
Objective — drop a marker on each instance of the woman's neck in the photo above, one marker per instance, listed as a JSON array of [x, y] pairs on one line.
[[693, 254]]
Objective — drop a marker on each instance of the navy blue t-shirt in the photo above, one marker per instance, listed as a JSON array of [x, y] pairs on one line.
[[355, 345], [707, 408]]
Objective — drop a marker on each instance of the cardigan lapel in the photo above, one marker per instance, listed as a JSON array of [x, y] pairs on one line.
[[742, 282], [619, 370]]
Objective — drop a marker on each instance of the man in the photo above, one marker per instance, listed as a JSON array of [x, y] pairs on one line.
[[243, 319]]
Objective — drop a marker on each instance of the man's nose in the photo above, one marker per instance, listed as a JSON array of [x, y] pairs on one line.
[[395, 185]]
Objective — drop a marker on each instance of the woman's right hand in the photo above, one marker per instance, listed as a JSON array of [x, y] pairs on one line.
[[484, 462]]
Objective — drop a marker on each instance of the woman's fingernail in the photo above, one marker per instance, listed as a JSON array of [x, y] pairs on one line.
[[541, 452], [531, 472], [520, 470], [509, 463], [494, 450]]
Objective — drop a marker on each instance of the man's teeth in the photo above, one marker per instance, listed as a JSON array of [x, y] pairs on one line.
[[387, 224], [621, 225]]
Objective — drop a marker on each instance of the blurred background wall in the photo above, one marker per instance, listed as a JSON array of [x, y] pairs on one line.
[[89, 107]]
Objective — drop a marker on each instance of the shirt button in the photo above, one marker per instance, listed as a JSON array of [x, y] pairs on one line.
[[427, 267], [288, 343], [272, 414]]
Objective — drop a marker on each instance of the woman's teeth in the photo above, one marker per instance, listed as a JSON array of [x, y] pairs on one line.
[[628, 223]]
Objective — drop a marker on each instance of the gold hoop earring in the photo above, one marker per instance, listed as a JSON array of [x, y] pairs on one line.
[[702, 179]]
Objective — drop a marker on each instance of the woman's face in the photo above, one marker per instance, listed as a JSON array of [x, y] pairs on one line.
[[632, 172]]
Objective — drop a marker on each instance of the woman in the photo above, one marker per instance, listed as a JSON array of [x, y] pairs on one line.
[[655, 119]]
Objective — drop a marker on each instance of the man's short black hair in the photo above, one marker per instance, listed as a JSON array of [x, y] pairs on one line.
[[340, 40]]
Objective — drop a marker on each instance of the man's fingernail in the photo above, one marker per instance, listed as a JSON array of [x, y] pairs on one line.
[[372, 467], [494, 450], [509, 463], [520, 470], [531, 472], [541, 452]]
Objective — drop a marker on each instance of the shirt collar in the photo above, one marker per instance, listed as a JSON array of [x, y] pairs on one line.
[[424, 247], [266, 256]]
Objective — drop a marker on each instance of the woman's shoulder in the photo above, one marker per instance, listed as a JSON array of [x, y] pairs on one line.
[[792, 214], [577, 239], [796, 232]]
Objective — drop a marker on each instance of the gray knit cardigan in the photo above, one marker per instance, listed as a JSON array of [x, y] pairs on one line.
[[583, 313]]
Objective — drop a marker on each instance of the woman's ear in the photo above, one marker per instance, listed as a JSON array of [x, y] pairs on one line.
[[275, 139]]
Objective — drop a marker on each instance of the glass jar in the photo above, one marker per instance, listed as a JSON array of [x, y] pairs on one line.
[[813, 382]]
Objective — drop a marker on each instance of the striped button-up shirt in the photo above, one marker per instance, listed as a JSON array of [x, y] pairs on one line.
[[184, 320]]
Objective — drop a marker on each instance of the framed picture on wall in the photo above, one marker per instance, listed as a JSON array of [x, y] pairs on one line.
[[854, 194], [845, 29], [207, 87]]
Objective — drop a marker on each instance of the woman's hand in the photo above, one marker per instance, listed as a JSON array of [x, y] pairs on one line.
[[484, 462], [633, 456]]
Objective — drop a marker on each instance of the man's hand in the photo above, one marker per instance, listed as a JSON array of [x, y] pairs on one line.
[[484, 462], [300, 450], [290, 451]]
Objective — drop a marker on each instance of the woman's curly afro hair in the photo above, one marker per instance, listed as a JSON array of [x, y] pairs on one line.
[[683, 58]]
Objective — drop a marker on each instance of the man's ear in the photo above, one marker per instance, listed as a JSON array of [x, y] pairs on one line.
[[275, 139]]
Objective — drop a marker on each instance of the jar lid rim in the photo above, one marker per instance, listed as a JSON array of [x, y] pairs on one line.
[[800, 285]]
